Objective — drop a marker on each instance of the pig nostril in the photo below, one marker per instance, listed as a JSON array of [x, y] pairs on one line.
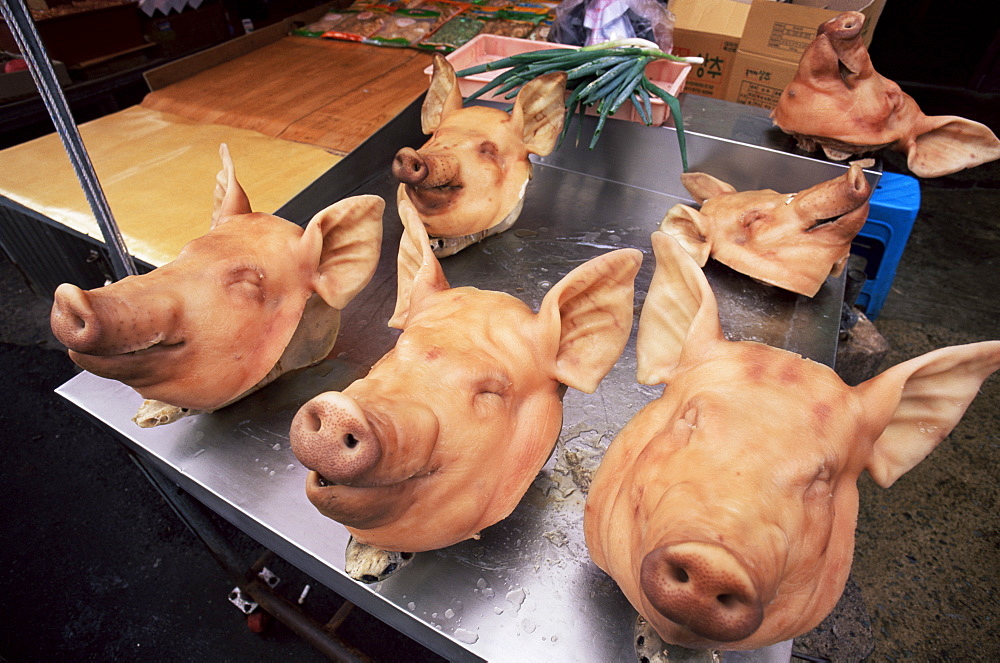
[[311, 421], [350, 441], [679, 574], [727, 600]]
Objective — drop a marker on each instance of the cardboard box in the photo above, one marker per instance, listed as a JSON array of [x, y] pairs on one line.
[[710, 29], [758, 80], [783, 30], [775, 36]]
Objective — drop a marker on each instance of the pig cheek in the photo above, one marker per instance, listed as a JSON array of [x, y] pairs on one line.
[[224, 339], [527, 436], [473, 207], [488, 464], [451, 501], [823, 542]]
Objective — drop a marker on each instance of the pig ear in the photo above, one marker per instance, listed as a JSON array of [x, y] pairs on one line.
[[230, 198], [680, 315], [590, 311], [418, 272], [704, 186], [951, 144], [443, 95], [689, 227], [347, 237], [540, 106], [923, 400]]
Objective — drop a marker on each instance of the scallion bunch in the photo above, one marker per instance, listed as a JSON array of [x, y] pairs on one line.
[[603, 76]]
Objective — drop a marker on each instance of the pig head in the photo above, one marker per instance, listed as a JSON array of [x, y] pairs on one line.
[[448, 430], [470, 177], [726, 508], [254, 297], [837, 101], [792, 241]]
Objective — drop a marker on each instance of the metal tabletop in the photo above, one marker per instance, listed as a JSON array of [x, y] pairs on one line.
[[526, 590]]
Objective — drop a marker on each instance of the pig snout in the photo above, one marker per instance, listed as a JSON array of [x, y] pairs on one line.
[[424, 170], [845, 26], [857, 187], [73, 320], [331, 436], [104, 325], [703, 587], [829, 200]]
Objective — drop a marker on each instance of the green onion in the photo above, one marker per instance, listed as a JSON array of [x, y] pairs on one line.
[[600, 86], [675, 112], [625, 91], [588, 68], [640, 100], [603, 77]]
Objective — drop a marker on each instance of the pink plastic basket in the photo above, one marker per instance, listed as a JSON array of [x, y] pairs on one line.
[[666, 74]]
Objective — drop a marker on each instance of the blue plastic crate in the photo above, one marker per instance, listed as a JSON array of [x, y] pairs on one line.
[[893, 208]]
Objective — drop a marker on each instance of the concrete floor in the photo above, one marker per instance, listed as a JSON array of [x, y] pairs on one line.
[[94, 566], [928, 548]]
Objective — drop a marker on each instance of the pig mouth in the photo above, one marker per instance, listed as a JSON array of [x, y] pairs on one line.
[[822, 222], [157, 345], [317, 481], [429, 199], [129, 364], [360, 506], [845, 217], [843, 149]]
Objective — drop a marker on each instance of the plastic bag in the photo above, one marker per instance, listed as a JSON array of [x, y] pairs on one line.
[[587, 22]]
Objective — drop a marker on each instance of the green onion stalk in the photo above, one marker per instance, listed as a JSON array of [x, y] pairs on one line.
[[603, 76]]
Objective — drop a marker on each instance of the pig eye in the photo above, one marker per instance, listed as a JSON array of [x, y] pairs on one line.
[[247, 281], [488, 149], [491, 388], [752, 216], [819, 484]]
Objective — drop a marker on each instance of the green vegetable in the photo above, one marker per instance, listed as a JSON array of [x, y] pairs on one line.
[[603, 76]]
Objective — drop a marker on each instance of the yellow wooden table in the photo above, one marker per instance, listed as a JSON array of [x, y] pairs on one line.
[[332, 94], [288, 109]]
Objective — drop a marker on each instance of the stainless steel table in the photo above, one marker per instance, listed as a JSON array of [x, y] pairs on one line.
[[525, 591]]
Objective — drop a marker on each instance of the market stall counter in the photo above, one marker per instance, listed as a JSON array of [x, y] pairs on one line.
[[526, 589]]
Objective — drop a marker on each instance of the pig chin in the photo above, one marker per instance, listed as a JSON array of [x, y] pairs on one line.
[[361, 507], [138, 368]]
